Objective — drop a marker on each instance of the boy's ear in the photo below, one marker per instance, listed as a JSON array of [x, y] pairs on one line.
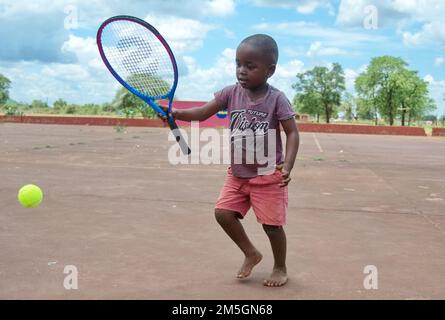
[[272, 68]]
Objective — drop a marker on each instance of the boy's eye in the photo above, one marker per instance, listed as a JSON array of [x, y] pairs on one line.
[[249, 66]]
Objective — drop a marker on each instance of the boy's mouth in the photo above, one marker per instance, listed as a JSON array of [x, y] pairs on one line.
[[242, 81]]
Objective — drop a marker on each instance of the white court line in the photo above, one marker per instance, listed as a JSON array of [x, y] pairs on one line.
[[317, 143]]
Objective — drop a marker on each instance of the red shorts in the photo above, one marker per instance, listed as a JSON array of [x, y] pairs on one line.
[[268, 200]]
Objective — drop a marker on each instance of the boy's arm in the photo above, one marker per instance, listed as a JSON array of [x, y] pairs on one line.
[[292, 145], [196, 114]]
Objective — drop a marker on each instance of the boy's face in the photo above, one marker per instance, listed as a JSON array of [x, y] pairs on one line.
[[253, 68]]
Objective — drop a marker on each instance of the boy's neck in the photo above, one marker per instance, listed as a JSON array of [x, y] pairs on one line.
[[258, 92]]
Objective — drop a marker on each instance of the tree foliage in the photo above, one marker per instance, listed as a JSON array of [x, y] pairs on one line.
[[319, 91], [5, 84], [131, 105], [389, 89]]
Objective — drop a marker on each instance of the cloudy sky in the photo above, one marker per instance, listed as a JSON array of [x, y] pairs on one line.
[[48, 48]]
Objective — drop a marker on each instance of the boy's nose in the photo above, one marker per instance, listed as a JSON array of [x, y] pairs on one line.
[[242, 71]]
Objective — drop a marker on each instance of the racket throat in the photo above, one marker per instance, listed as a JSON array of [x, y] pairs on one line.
[[178, 136]]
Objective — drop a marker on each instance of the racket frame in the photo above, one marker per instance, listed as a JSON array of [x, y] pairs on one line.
[[150, 100]]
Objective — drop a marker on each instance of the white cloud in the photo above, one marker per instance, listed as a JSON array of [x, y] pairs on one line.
[[229, 34], [50, 81], [285, 77], [401, 14], [329, 36], [439, 61], [428, 78], [221, 7], [32, 32], [65, 72], [433, 32], [317, 49], [46, 61], [200, 83], [39, 27], [411, 39], [294, 51], [182, 34], [301, 6], [354, 12], [85, 50], [307, 8], [350, 76]]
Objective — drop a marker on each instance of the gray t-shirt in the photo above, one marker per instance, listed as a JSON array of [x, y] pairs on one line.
[[254, 129]]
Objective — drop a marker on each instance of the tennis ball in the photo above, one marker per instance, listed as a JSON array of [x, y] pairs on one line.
[[30, 196]]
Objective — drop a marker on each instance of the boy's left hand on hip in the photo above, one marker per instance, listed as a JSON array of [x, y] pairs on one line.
[[285, 174]]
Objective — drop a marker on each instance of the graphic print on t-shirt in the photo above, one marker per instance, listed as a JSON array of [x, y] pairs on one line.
[[251, 139], [239, 122]]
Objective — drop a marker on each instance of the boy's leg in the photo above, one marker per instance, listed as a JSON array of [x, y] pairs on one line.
[[229, 221], [277, 239]]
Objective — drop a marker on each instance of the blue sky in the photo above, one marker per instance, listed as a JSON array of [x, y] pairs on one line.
[[49, 50]]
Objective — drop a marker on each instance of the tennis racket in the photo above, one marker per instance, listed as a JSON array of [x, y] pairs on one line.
[[141, 60]]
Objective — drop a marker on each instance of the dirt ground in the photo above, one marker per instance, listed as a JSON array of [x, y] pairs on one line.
[[136, 227]]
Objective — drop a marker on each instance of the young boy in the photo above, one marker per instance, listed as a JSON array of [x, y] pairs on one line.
[[255, 105]]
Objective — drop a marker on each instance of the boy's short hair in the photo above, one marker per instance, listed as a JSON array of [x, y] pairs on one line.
[[265, 43]]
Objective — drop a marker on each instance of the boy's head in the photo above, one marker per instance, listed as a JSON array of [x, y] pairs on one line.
[[256, 59]]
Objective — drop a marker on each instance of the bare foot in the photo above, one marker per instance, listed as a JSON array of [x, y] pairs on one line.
[[278, 278], [249, 262]]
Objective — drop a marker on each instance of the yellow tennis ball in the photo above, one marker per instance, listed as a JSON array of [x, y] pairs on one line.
[[30, 196]]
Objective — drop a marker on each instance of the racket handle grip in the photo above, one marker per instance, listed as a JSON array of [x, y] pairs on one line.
[[178, 136]]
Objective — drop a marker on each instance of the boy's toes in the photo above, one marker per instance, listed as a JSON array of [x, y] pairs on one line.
[[269, 283], [274, 283], [278, 278]]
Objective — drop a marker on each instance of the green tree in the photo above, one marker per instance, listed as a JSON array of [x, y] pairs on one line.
[[38, 104], [91, 108], [430, 117], [5, 84], [319, 91], [366, 87], [366, 110], [442, 119], [108, 107], [388, 88], [309, 103], [349, 107], [130, 104], [413, 98], [72, 109], [59, 105]]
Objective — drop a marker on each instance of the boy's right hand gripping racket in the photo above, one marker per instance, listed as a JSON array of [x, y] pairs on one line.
[[141, 60]]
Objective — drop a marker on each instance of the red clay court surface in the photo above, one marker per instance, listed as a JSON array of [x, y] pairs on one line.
[[136, 227]]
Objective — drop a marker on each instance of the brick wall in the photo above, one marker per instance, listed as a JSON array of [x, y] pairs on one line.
[[438, 132]]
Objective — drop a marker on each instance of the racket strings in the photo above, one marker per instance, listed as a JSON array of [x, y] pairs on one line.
[[138, 57]]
